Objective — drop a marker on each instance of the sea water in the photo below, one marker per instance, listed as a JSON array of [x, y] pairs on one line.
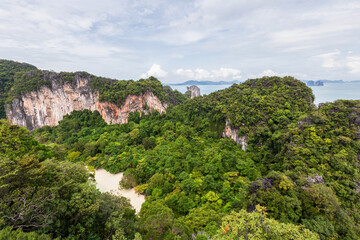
[[327, 93], [334, 91]]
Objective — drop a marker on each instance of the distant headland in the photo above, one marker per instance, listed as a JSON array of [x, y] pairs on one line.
[[320, 82], [196, 82], [315, 83]]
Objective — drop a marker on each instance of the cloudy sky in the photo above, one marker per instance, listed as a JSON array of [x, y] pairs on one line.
[[181, 40]]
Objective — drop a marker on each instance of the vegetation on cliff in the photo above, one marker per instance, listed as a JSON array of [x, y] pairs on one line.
[[8, 70], [253, 106], [109, 89], [117, 91]]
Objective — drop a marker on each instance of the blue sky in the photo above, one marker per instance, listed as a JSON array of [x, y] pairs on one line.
[[181, 40]]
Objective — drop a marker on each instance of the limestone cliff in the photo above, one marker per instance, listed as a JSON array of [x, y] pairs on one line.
[[194, 91], [234, 135], [47, 106]]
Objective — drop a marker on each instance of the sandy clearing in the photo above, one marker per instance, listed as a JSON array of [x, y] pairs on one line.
[[108, 182]]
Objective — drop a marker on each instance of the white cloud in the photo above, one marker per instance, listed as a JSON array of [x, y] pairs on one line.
[[155, 71], [227, 73], [298, 75], [185, 72], [301, 35], [191, 36], [270, 73], [177, 56], [317, 26], [259, 34], [354, 64], [199, 73], [330, 60], [340, 62]]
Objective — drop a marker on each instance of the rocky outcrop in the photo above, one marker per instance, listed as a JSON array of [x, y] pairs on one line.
[[357, 187], [48, 106], [234, 135], [305, 122], [316, 179], [194, 91], [264, 183]]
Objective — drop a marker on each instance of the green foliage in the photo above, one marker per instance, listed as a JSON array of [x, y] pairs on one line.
[[256, 225], [9, 234], [201, 219], [16, 142], [8, 70], [257, 106], [109, 90], [117, 91], [26, 82], [320, 199], [129, 179], [43, 195], [321, 226], [156, 219], [301, 162]]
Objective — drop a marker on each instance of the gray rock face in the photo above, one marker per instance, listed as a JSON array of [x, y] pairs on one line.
[[234, 135], [264, 182], [316, 179], [48, 106], [194, 91], [357, 188], [305, 121]]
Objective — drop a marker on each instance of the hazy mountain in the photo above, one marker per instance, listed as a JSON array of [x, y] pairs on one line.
[[196, 82]]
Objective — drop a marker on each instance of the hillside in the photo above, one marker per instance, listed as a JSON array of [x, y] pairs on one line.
[[38, 98]]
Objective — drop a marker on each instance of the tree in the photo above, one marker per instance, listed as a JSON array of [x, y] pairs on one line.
[[156, 219], [10, 234], [53, 197], [256, 225]]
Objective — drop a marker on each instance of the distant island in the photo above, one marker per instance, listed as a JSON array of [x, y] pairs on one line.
[[315, 83], [308, 82], [330, 81], [195, 82]]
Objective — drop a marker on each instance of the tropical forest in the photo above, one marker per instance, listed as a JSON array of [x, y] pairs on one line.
[[257, 160]]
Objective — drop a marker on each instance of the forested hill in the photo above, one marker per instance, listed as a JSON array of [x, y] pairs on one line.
[[37, 98], [297, 179], [252, 106], [110, 90]]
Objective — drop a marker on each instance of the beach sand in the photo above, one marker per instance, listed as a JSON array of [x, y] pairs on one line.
[[108, 182]]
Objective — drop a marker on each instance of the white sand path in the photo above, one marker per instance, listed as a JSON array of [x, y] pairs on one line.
[[108, 182]]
